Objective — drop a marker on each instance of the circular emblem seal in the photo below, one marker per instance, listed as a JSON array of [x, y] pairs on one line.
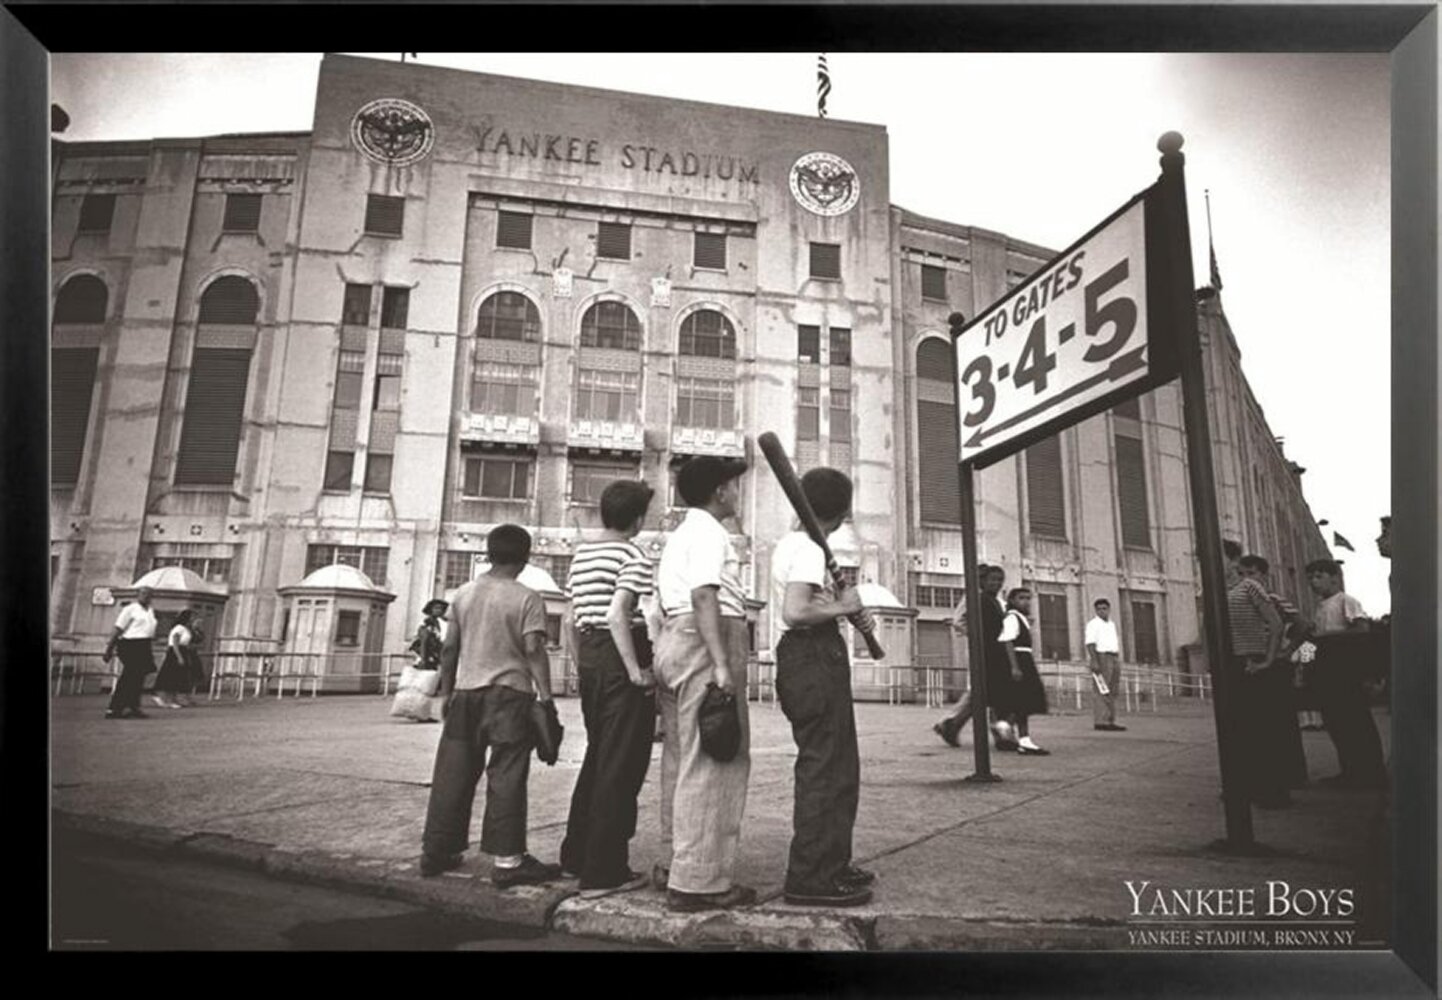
[[825, 184], [392, 131]]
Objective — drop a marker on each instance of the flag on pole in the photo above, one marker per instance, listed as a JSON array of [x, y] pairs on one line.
[[1341, 542], [823, 85]]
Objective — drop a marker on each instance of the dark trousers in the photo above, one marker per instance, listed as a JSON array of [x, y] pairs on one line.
[[1346, 711], [137, 659], [813, 685], [1271, 729], [620, 721], [495, 719]]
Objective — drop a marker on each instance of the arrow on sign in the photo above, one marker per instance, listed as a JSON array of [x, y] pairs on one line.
[[1123, 365]]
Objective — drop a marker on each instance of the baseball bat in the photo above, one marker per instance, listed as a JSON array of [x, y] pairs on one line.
[[791, 486]]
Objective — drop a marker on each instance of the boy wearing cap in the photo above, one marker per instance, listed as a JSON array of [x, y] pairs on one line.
[[813, 685], [702, 640]]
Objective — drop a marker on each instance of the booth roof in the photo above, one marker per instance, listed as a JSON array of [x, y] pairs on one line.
[[176, 578]]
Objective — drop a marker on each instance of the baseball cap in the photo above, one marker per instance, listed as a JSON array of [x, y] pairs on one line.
[[700, 477]]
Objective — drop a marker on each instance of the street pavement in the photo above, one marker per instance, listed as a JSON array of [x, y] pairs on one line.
[[333, 791]]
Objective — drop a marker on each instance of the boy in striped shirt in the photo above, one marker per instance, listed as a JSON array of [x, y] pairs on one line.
[[608, 578]]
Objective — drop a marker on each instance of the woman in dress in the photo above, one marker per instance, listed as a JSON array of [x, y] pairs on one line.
[[1025, 695], [175, 673], [416, 697]]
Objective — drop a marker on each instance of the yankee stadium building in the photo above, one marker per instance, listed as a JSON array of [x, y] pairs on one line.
[[462, 300]]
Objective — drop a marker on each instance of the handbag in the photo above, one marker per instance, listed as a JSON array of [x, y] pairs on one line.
[[412, 704], [427, 682], [548, 730]]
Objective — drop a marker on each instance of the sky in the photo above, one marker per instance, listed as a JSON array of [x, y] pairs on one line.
[[1294, 149]]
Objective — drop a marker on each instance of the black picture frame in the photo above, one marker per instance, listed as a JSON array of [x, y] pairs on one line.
[[1409, 32]]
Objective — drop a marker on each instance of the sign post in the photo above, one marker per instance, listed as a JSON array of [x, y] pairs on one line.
[[1109, 318]]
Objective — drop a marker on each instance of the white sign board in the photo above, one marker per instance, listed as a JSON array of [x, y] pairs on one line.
[[1071, 334]]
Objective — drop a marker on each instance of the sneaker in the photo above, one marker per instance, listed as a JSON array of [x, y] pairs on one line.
[[660, 877], [528, 872], [1032, 750], [432, 866], [158, 701], [946, 729], [856, 876], [695, 902], [632, 882], [839, 894], [1111, 727]]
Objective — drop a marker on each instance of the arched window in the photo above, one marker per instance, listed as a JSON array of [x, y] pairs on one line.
[[938, 448], [508, 316], [82, 299], [708, 334], [231, 300], [611, 325]]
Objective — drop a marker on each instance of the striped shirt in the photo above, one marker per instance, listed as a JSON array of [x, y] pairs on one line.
[[598, 570], [1245, 602]]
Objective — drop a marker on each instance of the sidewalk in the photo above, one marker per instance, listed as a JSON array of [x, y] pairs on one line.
[[332, 790]]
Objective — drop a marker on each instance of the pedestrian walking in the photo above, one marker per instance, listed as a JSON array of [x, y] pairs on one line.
[[1103, 653], [418, 690], [1024, 696], [133, 639], [494, 668], [703, 642], [1256, 640], [993, 609], [176, 674], [813, 685], [607, 581], [1339, 632]]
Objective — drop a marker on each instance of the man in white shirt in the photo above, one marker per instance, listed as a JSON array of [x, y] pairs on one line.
[[1339, 633], [133, 638], [703, 641], [1102, 653]]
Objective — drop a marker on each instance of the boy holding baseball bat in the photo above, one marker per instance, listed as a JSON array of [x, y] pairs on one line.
[[813, 685]]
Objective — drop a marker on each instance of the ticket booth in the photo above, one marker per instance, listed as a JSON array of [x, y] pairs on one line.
[[871, 680], [334, 630], [564, 679]]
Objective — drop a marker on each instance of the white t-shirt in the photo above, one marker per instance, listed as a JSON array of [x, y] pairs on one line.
[[1103, 635], [136, 622], [180, 636], [1335, 613], [699, 554], [796, 559], [1010, 626]]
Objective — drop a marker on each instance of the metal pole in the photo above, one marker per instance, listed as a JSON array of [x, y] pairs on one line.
[[1216, 628], [975, 644]]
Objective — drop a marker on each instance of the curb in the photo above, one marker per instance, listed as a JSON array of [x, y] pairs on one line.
[[632, 918]]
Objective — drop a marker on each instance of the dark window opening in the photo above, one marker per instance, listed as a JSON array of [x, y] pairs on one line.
[[711, 251], [242, 213], [826, 260], [339, 465], [613, 240], [347, 628], [706, 333], [513, 229], [214, 409], [395, 308], [808, 344], [611, 325], [356, 310], [378, 473], [840, 338], [96, 213], [82, 299], [808, 413], [385, 215], [72, 387], [230, 300], [497, 478], [1055, 627], [508, 316], [933, 282]]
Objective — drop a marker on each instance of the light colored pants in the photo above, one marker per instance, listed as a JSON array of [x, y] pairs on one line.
[[1104, 706], [702, 800]]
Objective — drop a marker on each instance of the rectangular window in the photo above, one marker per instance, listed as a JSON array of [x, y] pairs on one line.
[[350, 373], [613, 240], [214, 409], [840, 415], [338, 468], [703, 402], [808, 344], [808, 413], [1132, 493], [378, 473], [1129, 408], [937, 444], [347, 628], [1046, 509], [456, 569], [826, 260], [840, 344], [1144, 632], [1055, 628], [96, 213], [395, 308], [607, 395], [497, 478], [385, 215], [503, 388], [933, 283], [212, 569], [72, 387], [711, 251], [513, 229], [372, 560], [356, 310], [590, 479], [242, 213], [387, 394]]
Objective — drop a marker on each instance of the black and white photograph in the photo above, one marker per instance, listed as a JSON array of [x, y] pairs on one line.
[[832, 500]]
